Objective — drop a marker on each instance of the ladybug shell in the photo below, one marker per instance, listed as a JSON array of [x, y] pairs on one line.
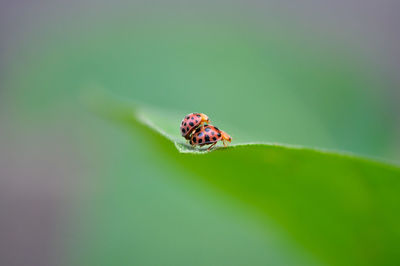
[[205, 135], [189, 124]]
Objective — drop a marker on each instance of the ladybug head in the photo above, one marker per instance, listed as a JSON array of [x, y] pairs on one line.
[[204, 118], [225, 136]]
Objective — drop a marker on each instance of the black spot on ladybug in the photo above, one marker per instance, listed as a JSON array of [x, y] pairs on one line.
[[197, 121], [207, 129], [206, 138], [187, 117], [198, 130], [194, 139], [191, 123], [187, 128], [200, 140], [183, 130], [198, 115], [213, 133], [192, 118], [219, 134], [216, 128], [191, 142], [200, 134], [184, 124], [214, 138]]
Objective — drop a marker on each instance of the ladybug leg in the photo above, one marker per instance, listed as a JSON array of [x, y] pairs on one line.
[[209, 148], [223, 141]]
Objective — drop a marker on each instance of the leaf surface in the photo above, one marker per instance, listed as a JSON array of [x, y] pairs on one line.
[[344, 209]]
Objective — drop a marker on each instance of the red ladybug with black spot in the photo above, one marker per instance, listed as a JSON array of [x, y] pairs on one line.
[[191, 122], [209, 135]]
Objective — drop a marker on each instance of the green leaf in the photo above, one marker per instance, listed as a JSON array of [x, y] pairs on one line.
[[342, 208]]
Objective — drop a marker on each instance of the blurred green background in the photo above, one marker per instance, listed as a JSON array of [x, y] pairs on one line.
[[79, 190]]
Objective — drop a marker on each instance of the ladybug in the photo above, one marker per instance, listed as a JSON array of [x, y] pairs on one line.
[[191, 122], [209, 134]]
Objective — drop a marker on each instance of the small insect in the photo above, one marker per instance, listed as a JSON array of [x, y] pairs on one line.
[[191, 122], [209, 134]]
